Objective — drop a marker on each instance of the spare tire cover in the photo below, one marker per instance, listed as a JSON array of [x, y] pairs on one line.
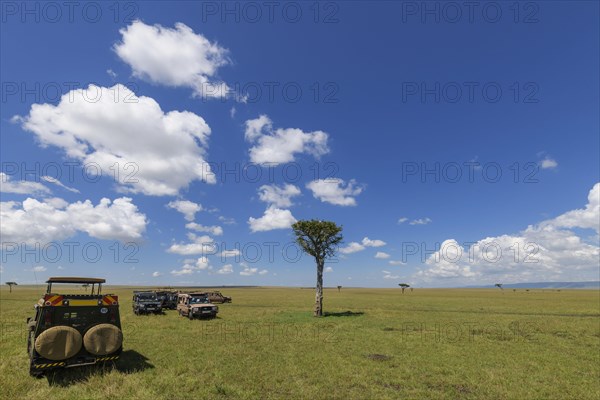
[[103, 339], [58, 343]]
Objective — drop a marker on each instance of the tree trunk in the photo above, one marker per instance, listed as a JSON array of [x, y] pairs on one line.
[[319, 294]]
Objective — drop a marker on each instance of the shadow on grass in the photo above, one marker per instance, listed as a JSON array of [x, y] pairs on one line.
[[129, 362], [343, 314]]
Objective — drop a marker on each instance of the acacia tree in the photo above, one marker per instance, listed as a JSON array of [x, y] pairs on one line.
[[85, 286], [403, 286], [499, 285], [339, 288], [10, 285], [318, 239]]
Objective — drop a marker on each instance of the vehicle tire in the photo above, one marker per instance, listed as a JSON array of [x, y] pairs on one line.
[[30, 340], [58, 343], [103, 339], [190, 315]]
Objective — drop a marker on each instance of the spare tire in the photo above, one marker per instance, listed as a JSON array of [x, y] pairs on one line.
[[58, 343], [103, 339]]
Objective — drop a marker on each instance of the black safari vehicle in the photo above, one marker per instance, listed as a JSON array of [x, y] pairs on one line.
[[71, 330], [146, 303]]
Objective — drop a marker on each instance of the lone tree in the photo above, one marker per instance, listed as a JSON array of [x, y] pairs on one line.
[[318, 239], [403, 286], [499, 285], [85, 286], [339, 288], [10, 285]]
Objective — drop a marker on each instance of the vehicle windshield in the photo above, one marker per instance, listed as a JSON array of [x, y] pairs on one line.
[[199, 300], [146, 297]]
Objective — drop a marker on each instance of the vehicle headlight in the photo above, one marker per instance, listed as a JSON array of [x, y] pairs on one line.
[[142, 305]]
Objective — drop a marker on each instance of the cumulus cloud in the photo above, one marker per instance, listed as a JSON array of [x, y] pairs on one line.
[[226, 269], [389, 275], [263, 272], [354, 247], [546, 251], [328, 269], [382, 255], [54, 219], [186, 207], [335, 191], [39, 268], [396, 262], [197, 245], [230, 253], [273, 218], [548, 163], [191, 266], [156, 274], [155, 153], [213, 230], [278, 146], [279, 196], [176, 57], [248, 271], [7, 185]]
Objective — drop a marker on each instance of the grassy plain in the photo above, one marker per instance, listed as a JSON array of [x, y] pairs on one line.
[[374, 344]]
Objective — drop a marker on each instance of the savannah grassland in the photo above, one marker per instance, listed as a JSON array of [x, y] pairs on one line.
[[374, 344]]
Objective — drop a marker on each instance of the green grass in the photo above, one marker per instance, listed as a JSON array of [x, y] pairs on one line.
[[375, 343]]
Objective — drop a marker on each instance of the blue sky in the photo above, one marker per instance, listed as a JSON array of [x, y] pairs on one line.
[[361, 99]]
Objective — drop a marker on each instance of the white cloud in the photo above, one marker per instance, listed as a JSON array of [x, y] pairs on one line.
[[156, 274], [56, 182], [155, 153], [186, 207], [273, 218], [389, 275], [54, 219], [263, 272], [354, 247], [60, 268], [227, 220], [335, 191], [248, 271], [373, 243], [402, 220], [543, 252], [213, 230], [191, 266], [230, 253], [328, 269], [39, 268], [226, 269], [111, 73], [382, 255], [420, 221], [173, 57], [393, 262], [281, 145], [20, 187], [548, 163], [279, 196], [198, 245]]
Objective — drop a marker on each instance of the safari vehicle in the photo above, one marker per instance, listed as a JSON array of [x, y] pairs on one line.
[[168, 299], [146, 303], [217, 297], [196, 305], [72, 330]]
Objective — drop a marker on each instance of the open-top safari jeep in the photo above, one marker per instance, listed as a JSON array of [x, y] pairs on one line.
[[71, 330]]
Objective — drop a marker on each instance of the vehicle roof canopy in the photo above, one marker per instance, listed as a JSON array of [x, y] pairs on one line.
[[75, 280]]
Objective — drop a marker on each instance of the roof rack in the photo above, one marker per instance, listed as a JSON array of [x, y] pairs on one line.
[[75, 280]]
